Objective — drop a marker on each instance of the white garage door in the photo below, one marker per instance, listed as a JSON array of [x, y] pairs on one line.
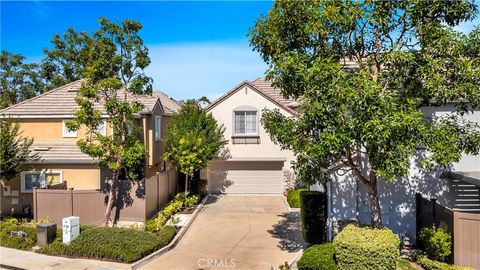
[[246, 177]]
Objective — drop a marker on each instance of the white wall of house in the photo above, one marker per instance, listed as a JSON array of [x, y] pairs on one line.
[[262, 154], [349, 199], [223, 113]]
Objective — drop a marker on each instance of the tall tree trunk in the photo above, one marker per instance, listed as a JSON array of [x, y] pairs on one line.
[[112, 195], [375, 215]]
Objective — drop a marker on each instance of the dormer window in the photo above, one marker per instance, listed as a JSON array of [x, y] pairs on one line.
[[245, 121]]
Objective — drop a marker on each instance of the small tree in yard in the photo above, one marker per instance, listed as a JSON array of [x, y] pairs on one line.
[[193, 139], [367, 118], [14, 149], [112, 78]]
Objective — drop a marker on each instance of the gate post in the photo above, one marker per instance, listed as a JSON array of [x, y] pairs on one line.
[[34, 212]]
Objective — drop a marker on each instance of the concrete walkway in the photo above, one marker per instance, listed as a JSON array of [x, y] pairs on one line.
[[237, 232], [19, 259]]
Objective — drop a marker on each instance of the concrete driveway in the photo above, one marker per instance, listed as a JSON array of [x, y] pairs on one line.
[[237, 232]]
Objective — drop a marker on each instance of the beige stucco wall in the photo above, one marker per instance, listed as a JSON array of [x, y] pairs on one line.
[[223, 113], [155, 149], [77, 176], [49, 130]]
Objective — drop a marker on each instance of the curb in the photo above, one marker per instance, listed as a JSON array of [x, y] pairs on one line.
[[175, 240]]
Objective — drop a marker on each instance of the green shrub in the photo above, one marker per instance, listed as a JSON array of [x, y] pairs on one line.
[[9, 237], [293, 197], [363, 247], [191, 201], [156, 223], [318, 257], [436, 243], [116, 244], [428, 264], [313, 206]]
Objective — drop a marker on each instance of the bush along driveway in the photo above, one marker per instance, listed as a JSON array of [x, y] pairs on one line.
[[239, 232]]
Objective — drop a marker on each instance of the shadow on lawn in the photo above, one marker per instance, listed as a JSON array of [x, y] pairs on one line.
[[288, 230]]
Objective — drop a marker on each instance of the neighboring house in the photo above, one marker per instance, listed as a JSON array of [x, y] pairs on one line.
[[254, 164], [60, 160], [457, 187], [251, 162]]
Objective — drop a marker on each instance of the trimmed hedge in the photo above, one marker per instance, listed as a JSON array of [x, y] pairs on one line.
[[363, 247], [8, 238], [313, 206], [318, 257], [428, 264], [293, 197], [116, 244]]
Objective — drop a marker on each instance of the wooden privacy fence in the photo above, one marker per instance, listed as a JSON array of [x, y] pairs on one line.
[[463, 226], [467, 239], [136, 201]]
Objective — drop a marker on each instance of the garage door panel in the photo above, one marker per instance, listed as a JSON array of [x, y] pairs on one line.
[[246, 177]]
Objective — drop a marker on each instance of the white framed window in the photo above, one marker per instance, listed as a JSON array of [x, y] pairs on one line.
[[66, 132], [39, 179], [158, 127], [245, 123], [102, 128]]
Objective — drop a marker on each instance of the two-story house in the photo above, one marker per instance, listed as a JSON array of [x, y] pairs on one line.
[[43, 118], [252, 163]]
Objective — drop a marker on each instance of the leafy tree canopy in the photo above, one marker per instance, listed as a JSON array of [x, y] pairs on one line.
[[14, 149], [193, 139], [67, 60], [362, 71], [113, 76], [18, 81]]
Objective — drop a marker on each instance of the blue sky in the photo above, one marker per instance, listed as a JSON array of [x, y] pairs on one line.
[[197, 48]]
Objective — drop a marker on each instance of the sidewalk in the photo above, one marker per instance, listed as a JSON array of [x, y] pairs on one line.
[[19, 259]]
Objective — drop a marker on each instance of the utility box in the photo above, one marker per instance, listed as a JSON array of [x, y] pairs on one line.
[[46, 233], [71, 229]]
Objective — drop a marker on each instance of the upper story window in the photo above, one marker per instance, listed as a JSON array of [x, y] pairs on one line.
[[66, 132], [245, 121], [102, 128], [158, 127]]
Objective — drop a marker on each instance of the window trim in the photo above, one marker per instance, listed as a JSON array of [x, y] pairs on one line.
[[42, 178], [157, 135], [246, 109], [64, 129]]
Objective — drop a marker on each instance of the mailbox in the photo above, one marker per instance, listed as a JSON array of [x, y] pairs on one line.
[[71, 229]]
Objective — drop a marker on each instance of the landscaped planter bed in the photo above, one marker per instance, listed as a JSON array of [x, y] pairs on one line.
[[125, 245]]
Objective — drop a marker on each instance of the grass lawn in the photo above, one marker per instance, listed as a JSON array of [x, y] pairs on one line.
[[403, 264]]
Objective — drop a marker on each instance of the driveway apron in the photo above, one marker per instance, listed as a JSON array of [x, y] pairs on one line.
[[237, 232]]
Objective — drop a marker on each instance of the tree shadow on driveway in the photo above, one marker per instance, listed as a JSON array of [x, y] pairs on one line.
[[289, 232]]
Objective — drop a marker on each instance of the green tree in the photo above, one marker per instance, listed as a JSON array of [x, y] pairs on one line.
[[14, 149], [193, 139], [361, 72], [18, 81], [112, 78], [67, 60]]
